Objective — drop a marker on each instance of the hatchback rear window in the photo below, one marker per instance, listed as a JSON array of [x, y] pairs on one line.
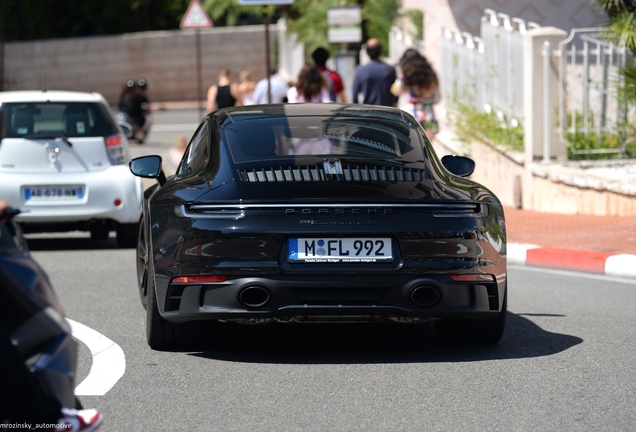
[[70, 119], [311, 136]]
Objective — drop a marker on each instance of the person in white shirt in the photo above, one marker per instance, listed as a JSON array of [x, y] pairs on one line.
[[278, 89]]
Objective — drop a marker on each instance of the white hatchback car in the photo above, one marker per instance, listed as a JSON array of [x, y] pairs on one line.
[[64, 162]]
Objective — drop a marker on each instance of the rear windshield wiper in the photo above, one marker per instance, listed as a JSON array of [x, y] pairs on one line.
[[49, 137]]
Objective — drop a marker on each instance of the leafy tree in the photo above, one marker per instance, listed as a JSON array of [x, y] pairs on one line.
[[308, 18], [622, 30], [230, 13], [35, 19]]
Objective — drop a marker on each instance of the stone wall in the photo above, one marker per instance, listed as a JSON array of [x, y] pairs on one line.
[[566, 190], [166, 59]]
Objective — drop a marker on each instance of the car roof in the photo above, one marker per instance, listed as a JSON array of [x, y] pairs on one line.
[[50, 96]]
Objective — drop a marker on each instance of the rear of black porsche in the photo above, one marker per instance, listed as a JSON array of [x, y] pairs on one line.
[[316, 262], [368, 228]]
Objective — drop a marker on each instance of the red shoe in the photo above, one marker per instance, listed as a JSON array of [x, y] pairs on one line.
[[86, 420]]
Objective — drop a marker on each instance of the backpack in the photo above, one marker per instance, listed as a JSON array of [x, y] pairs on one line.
[[332, 87]]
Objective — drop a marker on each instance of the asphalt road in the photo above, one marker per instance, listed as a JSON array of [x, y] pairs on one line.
[[566, 361]]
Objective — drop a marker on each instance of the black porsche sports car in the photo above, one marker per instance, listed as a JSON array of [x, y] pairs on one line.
[[319, 213]]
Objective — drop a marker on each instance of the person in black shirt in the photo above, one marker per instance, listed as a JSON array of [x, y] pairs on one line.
[[225, 93]]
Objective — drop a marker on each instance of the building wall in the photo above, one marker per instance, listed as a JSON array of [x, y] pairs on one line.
[[166, 59]]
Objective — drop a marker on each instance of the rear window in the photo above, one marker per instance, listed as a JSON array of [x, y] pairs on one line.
[[311, 136], [70, 119]]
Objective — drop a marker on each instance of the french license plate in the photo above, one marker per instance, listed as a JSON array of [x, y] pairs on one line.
[[344, 250], [53, 193]]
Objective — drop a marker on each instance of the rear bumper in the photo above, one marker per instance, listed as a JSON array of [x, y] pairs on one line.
[[103, 189], [427, 297]]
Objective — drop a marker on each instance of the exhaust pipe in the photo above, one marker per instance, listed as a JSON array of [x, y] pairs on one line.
[[425, 295], [254, 296]]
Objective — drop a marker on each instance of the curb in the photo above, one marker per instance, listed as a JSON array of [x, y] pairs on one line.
[[620, 265]]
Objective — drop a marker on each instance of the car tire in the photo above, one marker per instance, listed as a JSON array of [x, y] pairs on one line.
[[127, 235], [142, 263], [456, 330], [163, 335], [160, 334]]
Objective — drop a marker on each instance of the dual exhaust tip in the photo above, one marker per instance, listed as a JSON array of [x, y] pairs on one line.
[[255, 296], [425, 295]]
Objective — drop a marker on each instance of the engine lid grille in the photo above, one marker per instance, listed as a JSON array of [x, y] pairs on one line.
[[355, 173]]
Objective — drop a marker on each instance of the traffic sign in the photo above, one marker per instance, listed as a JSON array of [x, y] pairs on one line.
[[195, 17], [344, 24]]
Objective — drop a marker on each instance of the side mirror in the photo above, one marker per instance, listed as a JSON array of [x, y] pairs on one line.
[[459, 165], [148, 167]]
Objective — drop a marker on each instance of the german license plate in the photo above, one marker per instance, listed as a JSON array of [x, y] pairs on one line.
[[53, 193], [344, 250]]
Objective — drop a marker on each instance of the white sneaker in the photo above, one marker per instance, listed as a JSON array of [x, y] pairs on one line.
[[86, 420]]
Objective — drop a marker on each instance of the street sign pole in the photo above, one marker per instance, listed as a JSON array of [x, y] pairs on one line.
[[197, 33], [265, 4], [197, 18]]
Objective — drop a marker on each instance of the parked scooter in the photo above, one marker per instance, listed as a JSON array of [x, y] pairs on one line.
[[134, 115], [39, 353]]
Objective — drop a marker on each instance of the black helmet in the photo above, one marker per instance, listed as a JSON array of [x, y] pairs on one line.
[[142, 84]]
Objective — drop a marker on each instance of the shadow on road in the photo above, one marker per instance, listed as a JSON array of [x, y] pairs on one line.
[[60, 242], [377, 343]]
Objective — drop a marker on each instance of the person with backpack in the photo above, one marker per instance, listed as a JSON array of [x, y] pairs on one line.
[[334, 80]]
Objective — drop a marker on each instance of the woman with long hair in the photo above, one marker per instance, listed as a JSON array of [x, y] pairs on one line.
[[418, 75], [311, 86], [419, 80]]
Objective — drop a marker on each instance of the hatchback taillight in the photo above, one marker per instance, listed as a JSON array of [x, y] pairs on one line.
[[117, 151], [114, 140]]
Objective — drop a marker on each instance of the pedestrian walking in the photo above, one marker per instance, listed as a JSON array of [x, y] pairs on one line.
[[374, 79], [278, 89], [419, 82], [246, 87], [336, 86], [311, 86], [225, 93]]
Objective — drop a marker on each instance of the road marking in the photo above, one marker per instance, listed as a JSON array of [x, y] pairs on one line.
[[109, 361]]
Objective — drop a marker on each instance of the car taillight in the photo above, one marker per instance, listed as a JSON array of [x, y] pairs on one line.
[[114, 140], [199, 279], [117, 151], [464, 277]]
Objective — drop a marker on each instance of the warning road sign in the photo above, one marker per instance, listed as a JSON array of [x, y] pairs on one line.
[[195, 17]]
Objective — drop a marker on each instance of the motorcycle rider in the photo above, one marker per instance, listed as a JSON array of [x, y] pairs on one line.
[[23, 400], [134, 102]]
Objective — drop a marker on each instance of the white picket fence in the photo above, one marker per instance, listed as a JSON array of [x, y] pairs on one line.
[[489, 73]]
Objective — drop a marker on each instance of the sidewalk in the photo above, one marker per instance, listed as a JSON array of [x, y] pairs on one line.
[[597, 244]]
